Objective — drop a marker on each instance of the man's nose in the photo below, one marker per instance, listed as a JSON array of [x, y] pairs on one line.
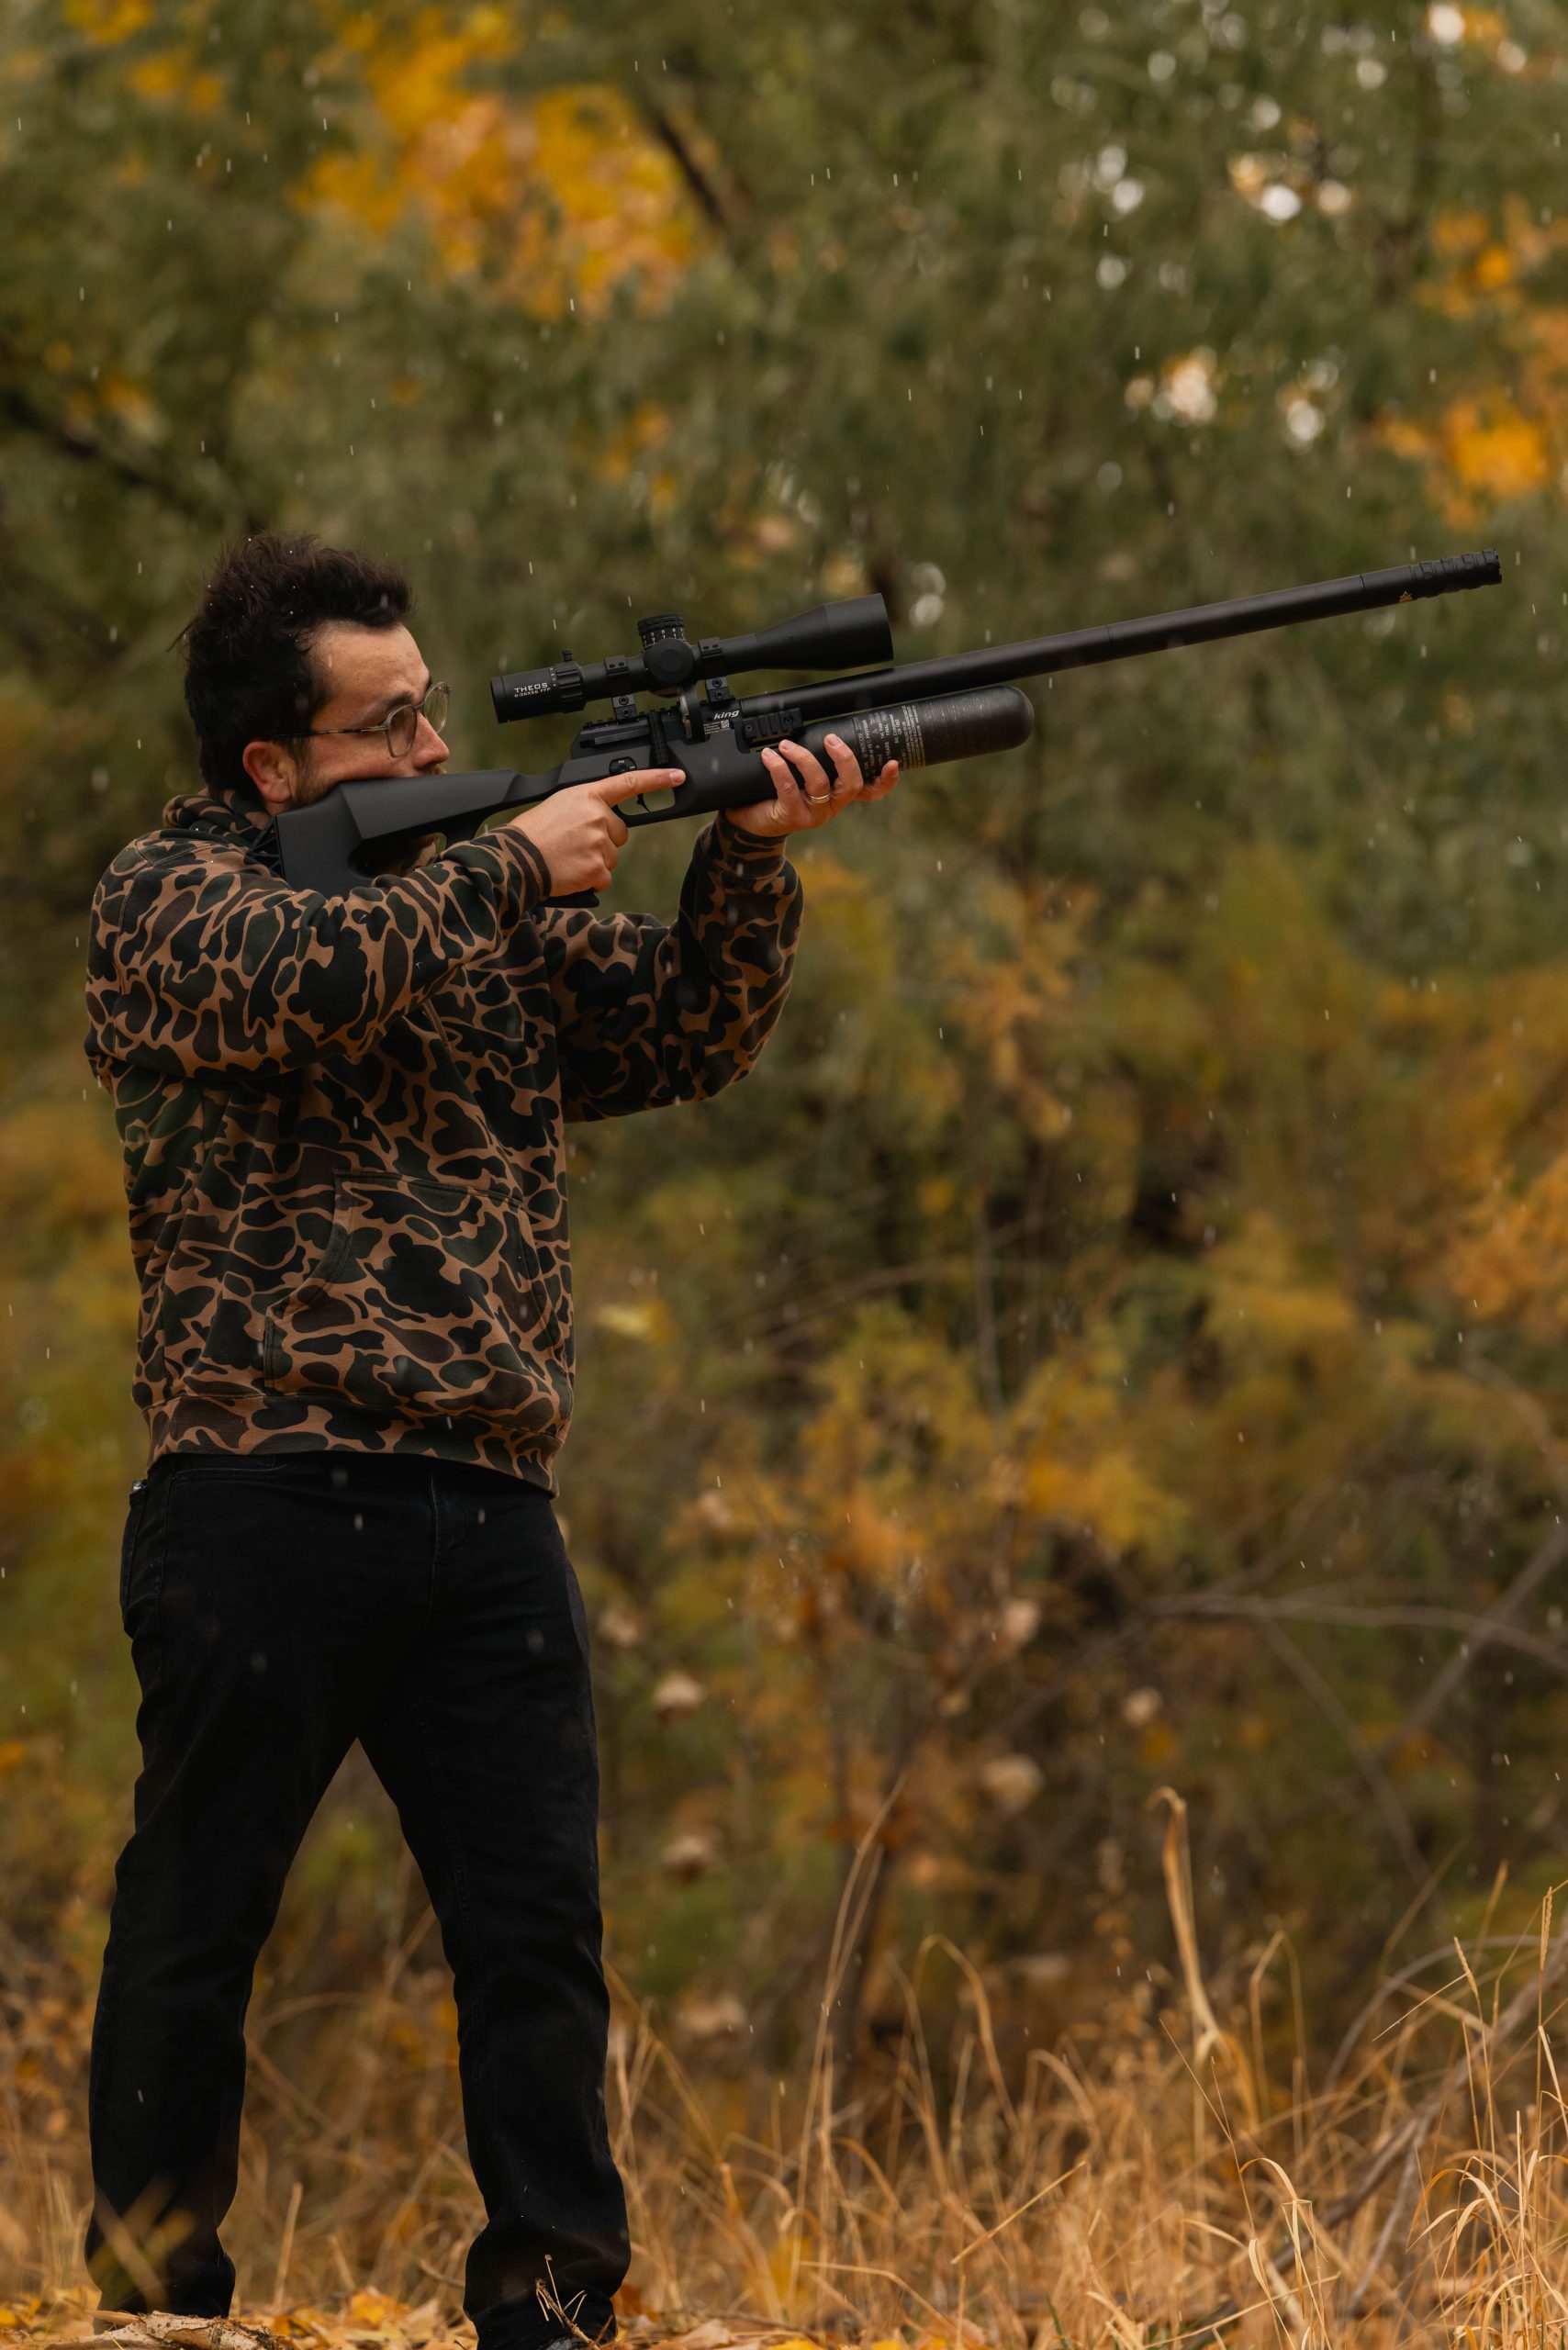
[[429, 749]]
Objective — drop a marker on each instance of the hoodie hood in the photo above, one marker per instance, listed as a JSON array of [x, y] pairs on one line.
[[243, 823], [231, 816], [216, 815]]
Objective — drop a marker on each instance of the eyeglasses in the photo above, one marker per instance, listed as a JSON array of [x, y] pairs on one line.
[[400, 726]]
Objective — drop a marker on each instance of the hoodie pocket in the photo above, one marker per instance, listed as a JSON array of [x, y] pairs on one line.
[[184, 1333], [427, 1304]]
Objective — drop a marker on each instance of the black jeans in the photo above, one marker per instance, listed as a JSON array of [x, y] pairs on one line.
[[278, 1607]]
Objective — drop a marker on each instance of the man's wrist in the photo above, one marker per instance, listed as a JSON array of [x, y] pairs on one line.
[[735, 837], [525, 875]]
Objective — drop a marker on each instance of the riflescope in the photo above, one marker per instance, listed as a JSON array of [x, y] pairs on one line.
[[830, 636]]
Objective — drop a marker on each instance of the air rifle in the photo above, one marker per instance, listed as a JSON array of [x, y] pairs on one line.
[[921, 713]]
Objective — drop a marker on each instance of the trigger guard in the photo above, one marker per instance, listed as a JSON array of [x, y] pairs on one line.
[[637, 812]]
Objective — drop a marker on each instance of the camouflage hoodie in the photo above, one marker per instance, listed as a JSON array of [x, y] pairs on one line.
[[342, 1120]]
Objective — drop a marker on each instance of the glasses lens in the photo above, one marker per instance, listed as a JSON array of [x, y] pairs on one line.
[[403, 725]]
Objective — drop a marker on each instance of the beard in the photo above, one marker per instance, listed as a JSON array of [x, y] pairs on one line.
[[308, 787]]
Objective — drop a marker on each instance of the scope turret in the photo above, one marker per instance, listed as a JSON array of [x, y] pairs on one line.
[[830, 636]]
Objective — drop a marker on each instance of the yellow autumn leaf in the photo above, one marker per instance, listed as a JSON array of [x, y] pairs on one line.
[[788, 2251], [157, 77], [872, 1543], [1457, 234], [1109, 1496], [1516, 1260], [131, 405], [172, 73], [1493, 448], [1156, 1745], [643, 431], [567, 194], [831, 879], [1407, 439], [844, 574], [1280, 1314], [109, 21], [646, 1319], [368, 2307]]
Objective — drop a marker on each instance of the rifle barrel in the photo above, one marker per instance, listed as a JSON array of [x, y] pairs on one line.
[[1081, 648]]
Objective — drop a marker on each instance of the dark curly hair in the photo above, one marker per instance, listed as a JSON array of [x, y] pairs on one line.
[[249, 674]]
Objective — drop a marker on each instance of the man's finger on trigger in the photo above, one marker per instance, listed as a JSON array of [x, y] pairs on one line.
[[611, 787]]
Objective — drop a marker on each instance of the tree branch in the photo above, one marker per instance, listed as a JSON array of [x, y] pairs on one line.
[[1368, 1761], [85, 448], [698, 180]]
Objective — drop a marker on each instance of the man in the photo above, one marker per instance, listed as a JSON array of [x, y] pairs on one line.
[[342, 1126]]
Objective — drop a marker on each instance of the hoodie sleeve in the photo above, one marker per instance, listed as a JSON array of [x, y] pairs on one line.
[[199, 963], [649, 1012]]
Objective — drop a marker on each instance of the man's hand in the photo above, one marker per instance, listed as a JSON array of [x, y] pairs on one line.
[[802, 803], [578, 831]]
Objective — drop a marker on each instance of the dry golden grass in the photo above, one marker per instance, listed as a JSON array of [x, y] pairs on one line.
[[1174, 2180]]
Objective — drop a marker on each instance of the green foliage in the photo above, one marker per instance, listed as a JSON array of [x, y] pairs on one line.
[[1113, 1338]]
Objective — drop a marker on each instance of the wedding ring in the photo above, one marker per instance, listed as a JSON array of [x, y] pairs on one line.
[[816, 798]]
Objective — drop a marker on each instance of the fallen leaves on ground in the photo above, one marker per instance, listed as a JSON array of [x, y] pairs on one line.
[[70, 2320]]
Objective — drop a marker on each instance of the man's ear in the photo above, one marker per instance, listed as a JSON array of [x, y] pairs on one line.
[[273, 771]]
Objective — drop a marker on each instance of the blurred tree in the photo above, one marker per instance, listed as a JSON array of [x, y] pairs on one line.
[[1112, 1339]]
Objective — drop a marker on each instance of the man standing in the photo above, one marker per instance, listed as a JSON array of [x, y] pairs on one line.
[[343, 1122]]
